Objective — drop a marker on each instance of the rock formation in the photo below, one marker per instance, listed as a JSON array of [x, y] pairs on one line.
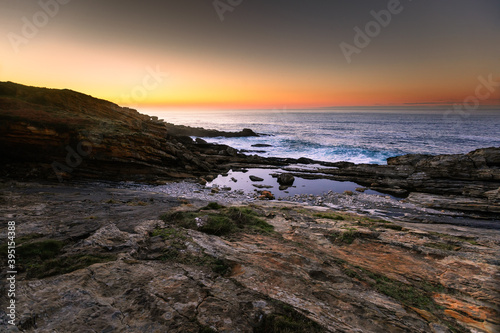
[[59, 134], [286, 179], [467, 182], [108, 263]]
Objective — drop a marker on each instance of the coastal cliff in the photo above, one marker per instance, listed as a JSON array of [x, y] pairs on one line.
[[62, 134]]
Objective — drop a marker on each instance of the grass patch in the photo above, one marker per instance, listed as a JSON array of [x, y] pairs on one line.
[[218, 225], [418, 294], [19, 241], [287, 320], [169, 234], [301, 211], [373, 224], [226, 221], [176, 240], [137, 203], [63, 265], [392, 226], [404, 293], [212, 206], [39, 251], [218, 266], [245, 217], [346, 237], [111, 201], [330, 216], [443, 246], [465, 239], [183, 219], [43, 258]]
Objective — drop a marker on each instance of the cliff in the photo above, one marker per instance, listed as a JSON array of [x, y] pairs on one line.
[[60, 134]]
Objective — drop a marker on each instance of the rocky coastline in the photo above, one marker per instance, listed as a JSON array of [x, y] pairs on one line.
[[60, 134], [119, 230], [108, 257]]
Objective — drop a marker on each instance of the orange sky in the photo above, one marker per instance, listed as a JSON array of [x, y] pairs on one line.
[[254, 60]]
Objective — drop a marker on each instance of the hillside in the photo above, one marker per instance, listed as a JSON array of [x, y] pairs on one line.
[[60, 134]]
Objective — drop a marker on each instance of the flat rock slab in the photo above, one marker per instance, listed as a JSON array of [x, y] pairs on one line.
[[341, 271]]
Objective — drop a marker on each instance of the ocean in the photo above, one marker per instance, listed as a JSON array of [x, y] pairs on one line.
[[359, 136]]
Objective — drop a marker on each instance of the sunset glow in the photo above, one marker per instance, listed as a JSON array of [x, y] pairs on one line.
[[260, 56]]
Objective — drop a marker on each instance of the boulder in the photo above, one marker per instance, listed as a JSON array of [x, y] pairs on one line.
[[304, 160], [286, 179], [231, 151]]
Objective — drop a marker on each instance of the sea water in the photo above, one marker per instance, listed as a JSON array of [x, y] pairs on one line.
[[359, 136]]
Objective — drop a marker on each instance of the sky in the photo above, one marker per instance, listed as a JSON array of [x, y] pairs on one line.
[[257, 54]]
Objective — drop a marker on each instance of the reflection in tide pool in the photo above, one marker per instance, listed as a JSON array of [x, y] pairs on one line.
[[240, 180]]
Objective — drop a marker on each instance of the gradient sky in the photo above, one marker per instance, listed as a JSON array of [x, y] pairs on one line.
[[264, 54]]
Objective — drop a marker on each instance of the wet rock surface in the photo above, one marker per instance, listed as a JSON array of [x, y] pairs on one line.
[[322, 268], [286, 179], [464, 182]]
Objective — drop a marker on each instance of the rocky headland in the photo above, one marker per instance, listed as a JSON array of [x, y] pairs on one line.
[[61, 134], [106, 242]]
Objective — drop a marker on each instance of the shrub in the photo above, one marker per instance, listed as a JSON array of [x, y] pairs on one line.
[[346, 237], [218, 225], [330, 216], [212, 206], [226, 221], [41, 250]]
